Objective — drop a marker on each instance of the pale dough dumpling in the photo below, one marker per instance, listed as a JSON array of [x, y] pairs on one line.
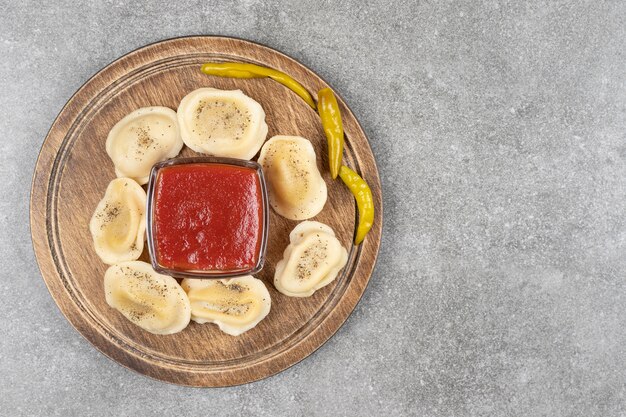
[[297, 190], [222, 123], [141, 139], [312, 260], [236, 305], [152, 301], [119, 222]]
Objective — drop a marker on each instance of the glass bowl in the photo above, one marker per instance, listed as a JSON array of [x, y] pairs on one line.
[[153, 233]]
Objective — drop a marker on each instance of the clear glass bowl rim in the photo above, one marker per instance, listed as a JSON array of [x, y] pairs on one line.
[[150, 203]]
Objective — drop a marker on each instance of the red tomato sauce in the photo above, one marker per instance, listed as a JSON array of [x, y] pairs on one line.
[[208, 217]]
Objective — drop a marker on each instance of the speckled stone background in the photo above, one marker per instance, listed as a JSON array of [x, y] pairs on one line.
[[499, 129]]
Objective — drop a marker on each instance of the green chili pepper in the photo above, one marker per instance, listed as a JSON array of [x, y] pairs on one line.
[[329, 112], [364, 201], [243, 70]]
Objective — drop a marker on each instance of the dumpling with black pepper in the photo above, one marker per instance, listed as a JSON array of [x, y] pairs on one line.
[[236, 305], [297, 190], [312, 260], [141, 139], [222, 123], [119, 223], [152, 301]]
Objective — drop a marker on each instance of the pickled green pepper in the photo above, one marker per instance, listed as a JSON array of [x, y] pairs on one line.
[[364, 201], [328, 110], [243, 70]]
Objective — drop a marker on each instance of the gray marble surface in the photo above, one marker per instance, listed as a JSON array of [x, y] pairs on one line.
[[499, 129]]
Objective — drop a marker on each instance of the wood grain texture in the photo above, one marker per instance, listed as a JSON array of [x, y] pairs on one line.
[[73, 171]]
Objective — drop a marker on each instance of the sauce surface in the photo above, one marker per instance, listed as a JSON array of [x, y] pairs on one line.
[[208, 217]]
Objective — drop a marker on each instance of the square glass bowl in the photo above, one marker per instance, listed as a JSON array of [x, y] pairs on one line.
[[178, 194]]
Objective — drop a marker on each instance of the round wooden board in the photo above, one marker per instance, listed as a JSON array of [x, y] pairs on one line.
[[73, 171]]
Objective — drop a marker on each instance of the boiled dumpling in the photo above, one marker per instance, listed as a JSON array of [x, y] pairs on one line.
[[222, 123], [312, 260], [152, 301], [141, 139], [297, 190], [118, 224], [236, 305]]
